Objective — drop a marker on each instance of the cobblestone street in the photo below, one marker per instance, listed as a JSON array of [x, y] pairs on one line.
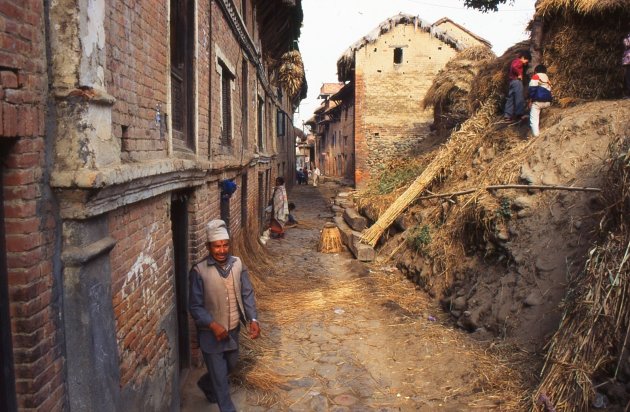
[[342, 345]]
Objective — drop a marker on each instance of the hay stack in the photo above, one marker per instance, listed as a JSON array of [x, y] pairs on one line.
[[449, 92], [492, 80], [592, 338], [291, 72], [330, 239], [582, 46]]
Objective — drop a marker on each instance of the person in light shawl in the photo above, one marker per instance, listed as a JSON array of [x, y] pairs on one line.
[[280, 212]]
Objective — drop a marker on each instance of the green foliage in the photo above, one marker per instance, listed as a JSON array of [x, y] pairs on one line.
[[394, 178], [419, 237], [485, 5], [505, 209]]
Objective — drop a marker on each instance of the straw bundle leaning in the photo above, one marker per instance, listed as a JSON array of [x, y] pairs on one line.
[[459, 146], [291, 72], [592, 339], [449, 92]]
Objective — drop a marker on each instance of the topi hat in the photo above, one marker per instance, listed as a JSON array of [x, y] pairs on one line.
[[216, 230]]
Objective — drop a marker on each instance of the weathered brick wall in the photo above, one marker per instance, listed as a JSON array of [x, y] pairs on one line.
[[137, 74], [143, 291], [390, 119], [33, 289]]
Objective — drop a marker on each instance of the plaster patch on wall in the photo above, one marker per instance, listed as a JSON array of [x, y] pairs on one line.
[[144, 268]]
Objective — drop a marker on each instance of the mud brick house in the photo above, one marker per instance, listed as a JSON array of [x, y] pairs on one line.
[[333, 126], [390, 70], [119, 122]]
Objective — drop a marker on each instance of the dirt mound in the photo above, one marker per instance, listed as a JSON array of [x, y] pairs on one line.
[[501, 269]]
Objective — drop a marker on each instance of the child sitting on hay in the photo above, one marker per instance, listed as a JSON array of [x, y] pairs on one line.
[[539, 96]]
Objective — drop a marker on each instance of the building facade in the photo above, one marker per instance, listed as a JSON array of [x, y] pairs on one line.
[[120, 124], [333, 127], [391, 69]]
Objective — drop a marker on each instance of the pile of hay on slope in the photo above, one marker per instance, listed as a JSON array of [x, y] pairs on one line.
[[449, 92], [492, 81], [582, 46], [591, 341]]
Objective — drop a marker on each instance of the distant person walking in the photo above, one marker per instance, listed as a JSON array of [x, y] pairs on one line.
[[515, 103], [625, 61], [539, 96], [316, 175]]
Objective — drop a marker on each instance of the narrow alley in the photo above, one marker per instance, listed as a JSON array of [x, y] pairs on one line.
[[340, 335]]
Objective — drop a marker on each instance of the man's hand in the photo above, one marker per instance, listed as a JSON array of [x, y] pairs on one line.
[[219, 331], [254, 329]]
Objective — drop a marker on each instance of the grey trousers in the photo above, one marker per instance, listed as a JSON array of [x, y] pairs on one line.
[[215, 383], [515, 103]]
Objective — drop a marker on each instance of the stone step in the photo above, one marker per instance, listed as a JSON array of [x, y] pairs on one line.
[[354, 219]]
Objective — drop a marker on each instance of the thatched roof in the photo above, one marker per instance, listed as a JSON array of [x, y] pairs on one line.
[[457, 75], [345, 64], [584, 7], [448, 94]]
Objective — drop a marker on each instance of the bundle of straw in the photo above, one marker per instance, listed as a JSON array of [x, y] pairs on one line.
[[330, 240], [461, 145], [291, 72]]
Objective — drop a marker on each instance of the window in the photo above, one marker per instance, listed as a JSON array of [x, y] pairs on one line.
[[182, 69], [281, 123], [244, 101], [226, 105], [398, 55]]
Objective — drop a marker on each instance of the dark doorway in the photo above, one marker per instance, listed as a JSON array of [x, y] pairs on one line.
[[261, 200], [182, 69], [179, 227], [244, 203], [225, 208], [8, 400]]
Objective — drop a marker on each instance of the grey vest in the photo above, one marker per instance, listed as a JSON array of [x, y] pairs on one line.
[[216, 294]]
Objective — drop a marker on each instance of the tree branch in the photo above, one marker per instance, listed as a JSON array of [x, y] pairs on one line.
[[520, 187]]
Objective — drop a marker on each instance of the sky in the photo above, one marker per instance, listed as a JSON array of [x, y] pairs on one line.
[[331, 26]]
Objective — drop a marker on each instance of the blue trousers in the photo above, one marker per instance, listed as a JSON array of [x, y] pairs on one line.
[[515, 103], [215, 383]]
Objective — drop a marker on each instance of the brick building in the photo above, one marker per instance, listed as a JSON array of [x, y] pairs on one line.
[[390, 70], [333, 126], [119, 122]]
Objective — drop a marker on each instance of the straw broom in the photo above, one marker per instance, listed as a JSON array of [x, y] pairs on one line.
[[461, 145]]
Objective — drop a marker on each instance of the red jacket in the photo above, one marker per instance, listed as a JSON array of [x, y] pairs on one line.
[[516, 69]]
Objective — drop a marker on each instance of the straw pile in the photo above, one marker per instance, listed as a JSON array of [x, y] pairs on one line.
[[330, 239], [582, 46], [291, 72], [593, 335], [449, 92], [492, 80], [461, 145]]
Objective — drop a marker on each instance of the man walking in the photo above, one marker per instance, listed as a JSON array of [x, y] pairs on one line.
[[221, 295]]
